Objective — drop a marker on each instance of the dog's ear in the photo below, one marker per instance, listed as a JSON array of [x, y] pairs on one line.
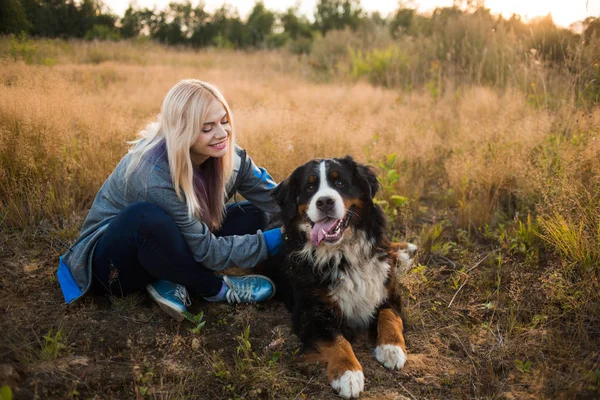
[[285, 195], [366, 177]]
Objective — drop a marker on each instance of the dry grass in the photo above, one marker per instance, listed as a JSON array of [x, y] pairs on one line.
[[473, 164]]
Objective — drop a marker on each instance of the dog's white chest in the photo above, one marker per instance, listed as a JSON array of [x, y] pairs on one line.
[[360, 290]]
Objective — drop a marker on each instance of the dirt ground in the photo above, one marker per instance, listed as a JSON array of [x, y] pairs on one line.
[[104, 349]]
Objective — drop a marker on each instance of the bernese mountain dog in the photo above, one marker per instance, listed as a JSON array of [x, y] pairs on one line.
[[337, 270]]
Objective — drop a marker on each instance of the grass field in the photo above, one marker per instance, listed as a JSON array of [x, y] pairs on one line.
[[500, 193]]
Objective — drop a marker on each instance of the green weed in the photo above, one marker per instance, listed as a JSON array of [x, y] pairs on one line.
[[523, 366], [6, 393], [197, 320], [54, 344], [573, 240]]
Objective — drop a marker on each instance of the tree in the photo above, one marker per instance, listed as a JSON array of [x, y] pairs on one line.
[[13, 18], [591, 28], [337, 14], [402, 21], [295, 27], [260, 23], [131, 23], [66, 18]]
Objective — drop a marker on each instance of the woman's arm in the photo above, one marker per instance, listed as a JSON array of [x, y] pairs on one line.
[[213, 252], [256, 185]]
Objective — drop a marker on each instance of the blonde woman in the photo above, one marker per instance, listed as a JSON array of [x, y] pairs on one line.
[[160, 221]]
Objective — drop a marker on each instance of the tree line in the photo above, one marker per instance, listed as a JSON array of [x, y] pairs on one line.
[[182, 23]]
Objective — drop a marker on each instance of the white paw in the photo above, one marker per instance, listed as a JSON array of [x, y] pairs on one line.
[[391, 356], [350, 384], [412, 248], [405, 257]]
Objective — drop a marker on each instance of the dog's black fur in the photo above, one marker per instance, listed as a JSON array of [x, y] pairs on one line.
[[306, 294]]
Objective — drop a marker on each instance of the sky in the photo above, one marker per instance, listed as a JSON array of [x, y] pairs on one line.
[[564, 12]]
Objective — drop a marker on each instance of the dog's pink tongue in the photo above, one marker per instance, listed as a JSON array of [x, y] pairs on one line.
[[317, 234]]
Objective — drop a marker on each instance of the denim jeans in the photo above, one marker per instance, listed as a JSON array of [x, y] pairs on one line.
[[143, 244]]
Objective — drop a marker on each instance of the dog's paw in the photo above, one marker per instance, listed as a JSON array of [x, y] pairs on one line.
[[405, 255], [391, 356], [412, 249], [350, 384]]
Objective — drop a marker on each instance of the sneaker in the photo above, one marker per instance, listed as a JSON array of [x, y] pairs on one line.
[[171, 297], [248, 288]]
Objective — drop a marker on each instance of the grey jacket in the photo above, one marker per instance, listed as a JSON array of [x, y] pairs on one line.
[[151, 183]]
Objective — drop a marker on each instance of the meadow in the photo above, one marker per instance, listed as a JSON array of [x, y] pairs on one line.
[[498, 186]]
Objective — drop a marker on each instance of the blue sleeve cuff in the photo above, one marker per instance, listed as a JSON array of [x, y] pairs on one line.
[[274, 239]]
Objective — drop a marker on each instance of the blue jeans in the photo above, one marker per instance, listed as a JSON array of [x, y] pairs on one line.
[[143, 244]]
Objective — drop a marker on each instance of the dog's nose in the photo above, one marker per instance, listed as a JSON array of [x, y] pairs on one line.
[[325, 203]]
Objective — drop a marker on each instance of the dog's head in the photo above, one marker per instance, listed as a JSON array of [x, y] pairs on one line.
[[324, 197]]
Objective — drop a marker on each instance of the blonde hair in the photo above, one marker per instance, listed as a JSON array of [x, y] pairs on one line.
[[182, 115]]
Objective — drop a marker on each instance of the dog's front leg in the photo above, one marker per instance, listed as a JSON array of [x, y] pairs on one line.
[[391, 349], [343, 369]]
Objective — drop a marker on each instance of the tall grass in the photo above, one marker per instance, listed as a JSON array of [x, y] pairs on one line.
[[481, 154], [552, 66], [64, 128]]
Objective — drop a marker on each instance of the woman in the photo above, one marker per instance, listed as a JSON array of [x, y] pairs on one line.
[[160, 220]]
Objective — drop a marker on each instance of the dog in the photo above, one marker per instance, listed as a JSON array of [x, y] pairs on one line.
[[337, 270]]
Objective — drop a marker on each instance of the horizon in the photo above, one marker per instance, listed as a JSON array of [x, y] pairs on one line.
[[563, 13]]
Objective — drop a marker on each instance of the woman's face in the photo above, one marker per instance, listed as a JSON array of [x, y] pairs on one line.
[[213, 138]]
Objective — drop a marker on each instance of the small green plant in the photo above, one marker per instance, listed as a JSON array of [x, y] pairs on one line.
[[393, 204], [197, 320], [526, 239], [390, 174], [6, 393], [419, 271], [520, 238], [143, 380], [221, 370], [275, 358], [244, 355], [457, 279], [54, 343], [523, 366], [433, 241]]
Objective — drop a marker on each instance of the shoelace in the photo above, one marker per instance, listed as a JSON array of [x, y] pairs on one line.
[[239, 293], [182, 294]]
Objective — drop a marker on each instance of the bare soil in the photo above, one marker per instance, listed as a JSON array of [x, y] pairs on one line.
[[130, 349]]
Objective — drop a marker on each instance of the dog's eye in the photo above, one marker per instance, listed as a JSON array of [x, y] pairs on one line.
[[339, 183], [311, 187]]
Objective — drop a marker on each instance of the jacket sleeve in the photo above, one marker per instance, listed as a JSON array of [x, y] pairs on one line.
[[256, 185], [215, 253]]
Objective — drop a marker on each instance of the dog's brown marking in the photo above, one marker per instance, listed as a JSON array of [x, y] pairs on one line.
[[398, 246], [357, 203], [389, 329], [334, 174], [302, 209], [338, 355], [312, 179]]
